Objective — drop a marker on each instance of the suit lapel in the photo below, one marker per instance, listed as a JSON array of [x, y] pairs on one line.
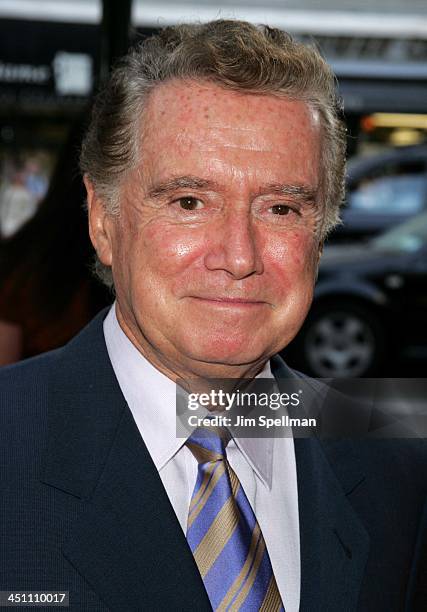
[[334, 542], [126, 540]]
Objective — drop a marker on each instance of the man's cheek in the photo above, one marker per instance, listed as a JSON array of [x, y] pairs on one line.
[[290, 255], [171, 247]]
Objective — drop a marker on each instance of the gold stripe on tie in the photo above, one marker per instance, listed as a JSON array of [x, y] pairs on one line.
[[272, 601], [234, 481], [216, 537], [203, 486], [251, 578], [256, 534], [203, 455], [197, 509]]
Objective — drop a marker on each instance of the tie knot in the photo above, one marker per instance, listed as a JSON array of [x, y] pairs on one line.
[[208, 443]]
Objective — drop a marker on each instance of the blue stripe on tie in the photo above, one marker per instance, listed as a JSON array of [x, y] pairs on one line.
[[219, 578], [246, 509], [208, 440], [199, 481], [201, 525], [256, 595]]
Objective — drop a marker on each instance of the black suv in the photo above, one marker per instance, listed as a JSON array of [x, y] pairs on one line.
[[370, 306]]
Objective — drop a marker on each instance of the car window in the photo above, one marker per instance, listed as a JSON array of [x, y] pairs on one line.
[[408, 237], [402, 191]]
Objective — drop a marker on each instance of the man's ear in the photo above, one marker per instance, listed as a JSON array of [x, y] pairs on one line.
[[100, 224]]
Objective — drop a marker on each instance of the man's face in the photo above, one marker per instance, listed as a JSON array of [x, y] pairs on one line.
[[215, 252]]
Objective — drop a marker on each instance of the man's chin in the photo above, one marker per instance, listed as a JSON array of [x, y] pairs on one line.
[[227, 363]]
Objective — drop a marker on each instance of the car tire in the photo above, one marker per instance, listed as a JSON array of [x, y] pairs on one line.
[[341, 340]]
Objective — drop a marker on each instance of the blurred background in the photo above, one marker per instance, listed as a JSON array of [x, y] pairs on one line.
[[369, 316]]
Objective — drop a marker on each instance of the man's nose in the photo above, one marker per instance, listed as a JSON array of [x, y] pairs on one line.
[[234, 246]]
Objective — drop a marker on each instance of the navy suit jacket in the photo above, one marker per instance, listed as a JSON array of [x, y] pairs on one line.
[[83, 508]]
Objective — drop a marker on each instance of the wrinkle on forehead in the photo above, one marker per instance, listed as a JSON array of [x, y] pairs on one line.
[[211, 138], [251, 114]]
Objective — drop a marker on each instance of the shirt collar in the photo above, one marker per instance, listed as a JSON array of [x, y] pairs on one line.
[[258, 452], [151, 397]]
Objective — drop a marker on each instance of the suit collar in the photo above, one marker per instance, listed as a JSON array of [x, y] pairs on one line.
[[126, 524]]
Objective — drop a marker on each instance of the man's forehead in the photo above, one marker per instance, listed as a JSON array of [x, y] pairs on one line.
[[193, 128], [210, 132], [209, 106]]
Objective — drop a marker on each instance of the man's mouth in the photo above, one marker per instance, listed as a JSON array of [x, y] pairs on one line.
[[229, 301]]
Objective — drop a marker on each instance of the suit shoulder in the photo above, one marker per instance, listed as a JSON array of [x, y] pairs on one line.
[[30, 374], [24, 390]]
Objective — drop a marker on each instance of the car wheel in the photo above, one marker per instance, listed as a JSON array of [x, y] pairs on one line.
[[342, 341]]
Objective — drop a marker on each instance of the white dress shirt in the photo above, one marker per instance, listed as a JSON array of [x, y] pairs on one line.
[[265, 466]]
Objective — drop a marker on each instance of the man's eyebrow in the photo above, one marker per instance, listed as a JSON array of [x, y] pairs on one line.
[[180, 182], [301, 192]]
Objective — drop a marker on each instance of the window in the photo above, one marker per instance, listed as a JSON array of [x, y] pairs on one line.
[[401, 190]]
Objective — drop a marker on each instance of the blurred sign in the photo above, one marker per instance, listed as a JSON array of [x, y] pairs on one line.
[[46, 65], [24, 73], [73, 73]]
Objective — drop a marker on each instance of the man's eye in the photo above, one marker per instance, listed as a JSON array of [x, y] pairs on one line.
[[280, 209], [190, 203]]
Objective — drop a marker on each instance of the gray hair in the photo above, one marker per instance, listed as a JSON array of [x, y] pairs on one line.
[[234, 54]]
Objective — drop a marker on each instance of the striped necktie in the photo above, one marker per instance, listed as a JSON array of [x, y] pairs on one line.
[[223, 534]]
